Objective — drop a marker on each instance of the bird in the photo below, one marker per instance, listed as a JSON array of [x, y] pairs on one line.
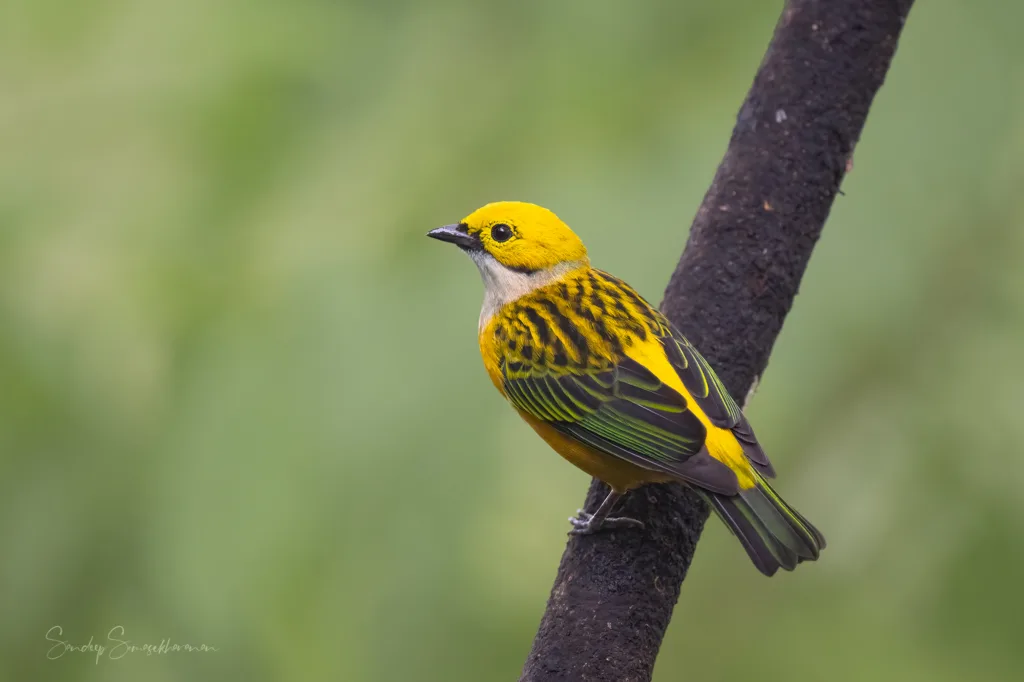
[[612, 386]]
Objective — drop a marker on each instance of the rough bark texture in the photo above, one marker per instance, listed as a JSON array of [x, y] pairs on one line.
[[736, 280]]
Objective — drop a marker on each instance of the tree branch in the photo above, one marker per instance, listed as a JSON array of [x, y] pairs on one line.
[[736, 280]]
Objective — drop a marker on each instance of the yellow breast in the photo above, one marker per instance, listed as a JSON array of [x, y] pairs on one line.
[[489, 352]]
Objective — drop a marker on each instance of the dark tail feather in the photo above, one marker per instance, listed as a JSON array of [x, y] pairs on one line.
[[774, 534]]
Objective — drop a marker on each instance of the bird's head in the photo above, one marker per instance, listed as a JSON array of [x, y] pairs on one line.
[[516, 237], [518, 247]]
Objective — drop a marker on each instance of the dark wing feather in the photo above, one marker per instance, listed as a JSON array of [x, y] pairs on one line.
[[712, 397], [701, 381], [624, 411]]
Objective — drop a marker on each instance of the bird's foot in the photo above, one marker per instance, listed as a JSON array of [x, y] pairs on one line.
[[585, 524]]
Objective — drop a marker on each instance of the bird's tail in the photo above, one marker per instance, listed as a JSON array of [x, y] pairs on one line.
[[774, 534]]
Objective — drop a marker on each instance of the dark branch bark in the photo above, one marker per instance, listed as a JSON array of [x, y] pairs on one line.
[[735, 282]]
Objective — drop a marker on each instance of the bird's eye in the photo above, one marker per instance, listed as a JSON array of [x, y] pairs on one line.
[[501, 232]]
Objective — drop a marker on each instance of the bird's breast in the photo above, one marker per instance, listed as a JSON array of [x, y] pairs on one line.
[[491, 354]]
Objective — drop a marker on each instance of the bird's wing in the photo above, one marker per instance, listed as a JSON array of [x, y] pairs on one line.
[[701, 381], [622, 410], [711, 395]]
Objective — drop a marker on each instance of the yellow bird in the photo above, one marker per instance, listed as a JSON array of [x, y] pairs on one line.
[[612, 386]]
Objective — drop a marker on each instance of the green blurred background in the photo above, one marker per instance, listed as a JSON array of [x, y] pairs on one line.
[[240, 398]]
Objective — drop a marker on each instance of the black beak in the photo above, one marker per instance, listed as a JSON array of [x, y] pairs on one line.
[[456, 234]]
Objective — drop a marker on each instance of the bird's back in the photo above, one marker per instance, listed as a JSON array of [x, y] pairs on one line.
[[586, 320]]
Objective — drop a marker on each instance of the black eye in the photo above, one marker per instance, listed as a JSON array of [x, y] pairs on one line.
[[501, 232]]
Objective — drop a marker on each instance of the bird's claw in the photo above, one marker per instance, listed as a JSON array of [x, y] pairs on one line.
[[585, 524], [582, 518]]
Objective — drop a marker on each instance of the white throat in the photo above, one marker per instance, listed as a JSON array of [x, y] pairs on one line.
[[503, 285]]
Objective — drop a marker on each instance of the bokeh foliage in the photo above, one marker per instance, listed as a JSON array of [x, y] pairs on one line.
[[240, 398]]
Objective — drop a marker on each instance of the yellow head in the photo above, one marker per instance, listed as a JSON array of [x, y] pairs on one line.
[[520, 236], [518, 247]]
